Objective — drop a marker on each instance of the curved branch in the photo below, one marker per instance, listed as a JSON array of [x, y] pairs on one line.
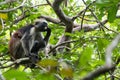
[[7, 1], [56, 21], [77, 27], [108, 65], [4, 11], [66, 42], [88, 27], [63, 18], [97, 72], [109, 50], [60, 13]]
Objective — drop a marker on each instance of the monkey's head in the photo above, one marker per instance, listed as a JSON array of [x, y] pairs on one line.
[[17, 35], [41, 24]]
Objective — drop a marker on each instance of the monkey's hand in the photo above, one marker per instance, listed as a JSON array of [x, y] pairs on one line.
[[48, 30], [34, 58]]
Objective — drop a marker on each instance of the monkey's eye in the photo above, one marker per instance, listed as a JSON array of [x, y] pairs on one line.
[[45, 23], [36, 23]]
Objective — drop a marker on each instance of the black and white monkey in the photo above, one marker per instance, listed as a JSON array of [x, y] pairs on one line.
[[28, 40]]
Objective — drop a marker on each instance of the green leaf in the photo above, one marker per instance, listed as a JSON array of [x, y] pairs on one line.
[[2, 48], [15, 75], [44, 77], [101, 10], [112, 13], [0, 27], [106, 3], [66, 70], [47, 62], [4, 15], [86, 55], [102, 43], [103, 2]]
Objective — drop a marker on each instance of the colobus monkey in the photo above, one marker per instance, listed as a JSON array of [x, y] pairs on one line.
[[28, 40]]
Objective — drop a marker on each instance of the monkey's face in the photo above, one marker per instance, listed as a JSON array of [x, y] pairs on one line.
[[41, 25]]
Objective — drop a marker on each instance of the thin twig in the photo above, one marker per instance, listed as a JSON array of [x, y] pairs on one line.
[[21, 5], [49, 2], [38, 5], [66, 42], [2, 26], [87, 7], [94, 15], [16, 61], [7, 1]]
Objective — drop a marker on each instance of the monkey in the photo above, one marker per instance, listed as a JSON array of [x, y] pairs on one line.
[[28, 41]]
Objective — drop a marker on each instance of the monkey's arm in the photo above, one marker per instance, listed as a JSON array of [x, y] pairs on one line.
[[46, 39], [25, 40]]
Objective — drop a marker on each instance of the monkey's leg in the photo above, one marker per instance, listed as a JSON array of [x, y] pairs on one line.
[[34, 57]]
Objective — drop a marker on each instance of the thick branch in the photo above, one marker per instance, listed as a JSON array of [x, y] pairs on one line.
[[59, 12], [88, 27], [55, 21], [77, 27], [109, 50], [63, 18]]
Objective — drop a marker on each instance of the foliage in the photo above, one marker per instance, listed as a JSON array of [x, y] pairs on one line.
[[84, 55]]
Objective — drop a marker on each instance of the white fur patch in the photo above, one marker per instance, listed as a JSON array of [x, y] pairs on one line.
[[45, 27], [41, 20], [32, 31]]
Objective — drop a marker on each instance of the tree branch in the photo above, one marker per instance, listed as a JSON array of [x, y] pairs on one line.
[[88, 27], [1, 76], [109, 50], [77, 27], [4, 11], [108, 65], [39, 5], [7, 1], [16, 61], [82, 11], [66, 42], [63, 18], [60, 13], [48, 2], [55, 21]]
